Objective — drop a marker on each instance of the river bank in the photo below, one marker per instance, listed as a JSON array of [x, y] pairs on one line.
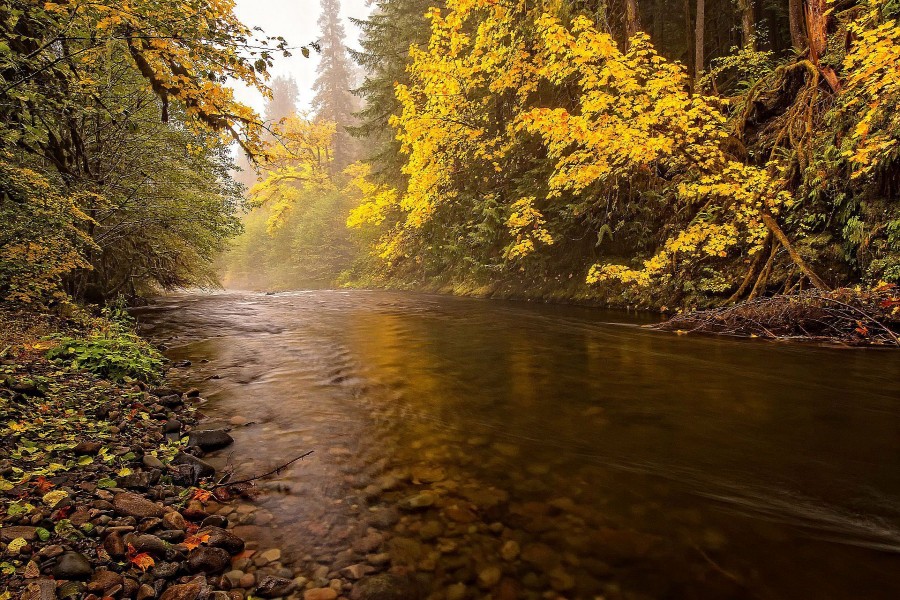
[[103, 489]]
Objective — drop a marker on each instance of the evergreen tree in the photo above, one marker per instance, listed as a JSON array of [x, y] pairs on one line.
[[387, 34], [334, 100]]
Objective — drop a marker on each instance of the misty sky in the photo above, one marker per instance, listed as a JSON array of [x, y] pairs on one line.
[[295, 20]]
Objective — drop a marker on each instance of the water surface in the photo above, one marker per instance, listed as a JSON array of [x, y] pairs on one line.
[[620, 462]]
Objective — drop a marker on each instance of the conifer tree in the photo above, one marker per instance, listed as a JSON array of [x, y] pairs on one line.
[[334, 101]]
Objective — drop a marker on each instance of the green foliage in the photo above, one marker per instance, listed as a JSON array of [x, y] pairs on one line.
[[112, 351]]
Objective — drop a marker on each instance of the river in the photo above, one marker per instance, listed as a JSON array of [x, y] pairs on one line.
[[549, 449]]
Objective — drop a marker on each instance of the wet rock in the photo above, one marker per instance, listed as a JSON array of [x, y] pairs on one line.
[[431, 530], [510, 550], [405, 551], [560, 580], [457, 591], [87, 447], [210, 439], [166, 570], [368, 543], [174, 520], [386, 587], [540, 556], [42, 589], [489, 577], [219, 538], [186, 591], [426, 474], [147, 543], [234, 576], [133, 505], [270, 555], [215, 521], [208, 560], [104, 580], [238, 421], [357, 571], [384, 518], [141, 480], [72, 565], [198, 468], [8, 534], [460, 514], [320, 594], [418, 501], [151, 462], [272, 587], [247, 581], [171, 426], [146, 592]]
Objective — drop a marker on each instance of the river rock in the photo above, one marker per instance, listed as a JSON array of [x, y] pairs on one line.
[[368, 543], [210, 439], [357, 571], [510, 550], [42, 589], [172, 426], [174, 520], [272, 587], [208, 560], [215, 521], [72, 565], [219, 538], [419, 501], [386, 586], [320, 594], [186, 591], [151, 462], [86, 448], [104, 580], [8, 534], [133, 505], [145, 592], [200, 468], [489, 577], [147, 543]]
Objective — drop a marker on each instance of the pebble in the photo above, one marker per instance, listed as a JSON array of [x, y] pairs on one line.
[[320, 594], [489, 577], [72, 565]]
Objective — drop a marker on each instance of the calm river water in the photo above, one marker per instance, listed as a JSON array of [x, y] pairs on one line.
[[528, 451]]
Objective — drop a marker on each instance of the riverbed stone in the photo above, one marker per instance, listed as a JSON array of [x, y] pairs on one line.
[[208, 560], [220, 538], [489, 576], [419, 501], [186, 591], [510, 550], [8, 534], [209, 440], [325, 593], [72, 565], [272, 587], [386, 586], [134, 505]]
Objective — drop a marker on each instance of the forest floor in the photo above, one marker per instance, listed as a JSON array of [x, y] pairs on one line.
[[101, 487]]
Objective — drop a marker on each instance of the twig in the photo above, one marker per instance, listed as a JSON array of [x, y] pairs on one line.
[[274, 471]]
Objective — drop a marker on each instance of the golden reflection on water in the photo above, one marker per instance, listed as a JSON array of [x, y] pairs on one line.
[[621, 462]]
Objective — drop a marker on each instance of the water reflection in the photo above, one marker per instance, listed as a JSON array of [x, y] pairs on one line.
[[523, 450]]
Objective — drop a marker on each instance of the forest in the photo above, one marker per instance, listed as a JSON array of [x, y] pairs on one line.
[[628, 153], [246, 346]]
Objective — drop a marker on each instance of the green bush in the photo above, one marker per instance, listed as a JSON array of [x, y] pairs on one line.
[[112, 352]]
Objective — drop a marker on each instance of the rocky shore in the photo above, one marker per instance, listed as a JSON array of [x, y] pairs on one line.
[[102, 495]]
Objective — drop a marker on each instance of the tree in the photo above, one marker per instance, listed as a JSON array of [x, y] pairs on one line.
[[334, 101]]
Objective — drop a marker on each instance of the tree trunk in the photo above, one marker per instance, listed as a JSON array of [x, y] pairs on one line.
[[779, 234], [816, 28], [748, 24], [632, 18], [689, 39], [700, 38], [797, 18]]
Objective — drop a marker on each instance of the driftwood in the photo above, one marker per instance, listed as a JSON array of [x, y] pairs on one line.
[[844, 316], [274, 471]]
